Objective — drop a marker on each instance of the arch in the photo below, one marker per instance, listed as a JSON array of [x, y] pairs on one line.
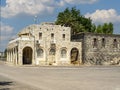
[[63, 53], [40, 52], [27, 55], [74, 55], [52, 51]]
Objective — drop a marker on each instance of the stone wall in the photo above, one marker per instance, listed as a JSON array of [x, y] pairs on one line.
[[93, 49], [41, 39], [99, 51]]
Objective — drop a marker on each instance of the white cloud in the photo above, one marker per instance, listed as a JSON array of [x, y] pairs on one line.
[[34, 7], [6, 31], [31, 7], [6, 28], [80, 1], [102, 16], [6, 34]]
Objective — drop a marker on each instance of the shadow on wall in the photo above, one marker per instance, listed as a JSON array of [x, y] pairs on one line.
[[4, 85]]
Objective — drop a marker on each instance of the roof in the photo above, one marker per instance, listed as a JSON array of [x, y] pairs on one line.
[[32, 27], [26, 30]]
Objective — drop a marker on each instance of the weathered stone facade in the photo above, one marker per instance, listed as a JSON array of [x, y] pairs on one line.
[[50, 44], [99, 49], [44, 44]]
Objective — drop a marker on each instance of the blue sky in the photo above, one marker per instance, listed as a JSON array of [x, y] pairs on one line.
[[17, 14]]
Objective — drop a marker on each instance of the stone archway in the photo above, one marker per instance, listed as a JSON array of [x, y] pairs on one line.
[[52, 53], [74, 56], [27, 55]]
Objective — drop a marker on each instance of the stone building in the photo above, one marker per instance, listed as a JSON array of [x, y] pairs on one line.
[[99, 49], [44, 44], [50, 44]]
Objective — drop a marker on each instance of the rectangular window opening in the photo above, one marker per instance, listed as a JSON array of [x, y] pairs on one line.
[[115, 44], [94, 43], [103, 42], [40, 36], [63, 36], [52, 35]]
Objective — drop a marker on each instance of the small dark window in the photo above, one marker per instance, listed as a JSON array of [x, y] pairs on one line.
[[94, 43], [52, 35], [63, 36], [103, 42], [40, 35], [115, 44]]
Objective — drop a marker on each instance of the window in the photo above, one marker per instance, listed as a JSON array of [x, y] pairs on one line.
[[103, 42], [52, 51], [63, 53], [63, 36], [94, 43], [115, 44], [52, 35], [40, 35], [40, 53]]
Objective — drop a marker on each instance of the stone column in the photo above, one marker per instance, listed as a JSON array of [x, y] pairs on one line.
[[69, 55], [7, 56], [20, 62], [13, 56], [10, 56], [16, 55]]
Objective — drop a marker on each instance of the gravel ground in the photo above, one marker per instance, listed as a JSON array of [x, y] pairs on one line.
[[8, 84], [59, 78]]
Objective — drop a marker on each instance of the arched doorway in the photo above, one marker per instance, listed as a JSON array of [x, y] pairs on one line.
[[74, 56], [27, 55], [52, 53]]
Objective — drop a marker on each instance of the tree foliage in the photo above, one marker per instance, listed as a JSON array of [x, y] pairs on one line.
[[73, 19], [78, 23], [106, 28]]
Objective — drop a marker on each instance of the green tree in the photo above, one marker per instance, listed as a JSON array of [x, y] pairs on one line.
[[106, 28], [5, 52], [110, 28], [78, 23], [99, 29], [93, 28], [64, 18], [73, 19]]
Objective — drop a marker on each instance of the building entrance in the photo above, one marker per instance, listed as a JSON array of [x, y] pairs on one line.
[[27, 55]]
